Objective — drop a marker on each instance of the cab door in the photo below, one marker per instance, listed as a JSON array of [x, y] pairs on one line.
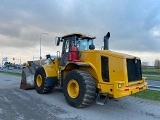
[[65, 52]]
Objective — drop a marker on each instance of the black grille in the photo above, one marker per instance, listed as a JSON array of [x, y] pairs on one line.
[[105, 68], [134, 70]]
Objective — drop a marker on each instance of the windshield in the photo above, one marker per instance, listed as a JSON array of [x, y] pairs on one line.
[[83, 44]]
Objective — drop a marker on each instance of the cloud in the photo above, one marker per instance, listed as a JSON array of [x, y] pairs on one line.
[[134, 25]]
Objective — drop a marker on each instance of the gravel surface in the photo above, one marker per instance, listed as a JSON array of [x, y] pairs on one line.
[[17, 104]]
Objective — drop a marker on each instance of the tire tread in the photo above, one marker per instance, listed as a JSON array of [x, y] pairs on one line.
[[89, 91]]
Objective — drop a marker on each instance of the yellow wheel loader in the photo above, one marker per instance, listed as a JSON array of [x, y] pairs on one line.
[[85, 74]]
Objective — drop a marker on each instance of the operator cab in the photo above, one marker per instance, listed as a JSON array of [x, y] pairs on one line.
[[72, 45], [84, 44]]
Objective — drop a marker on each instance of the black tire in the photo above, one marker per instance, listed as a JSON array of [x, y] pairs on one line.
[[41, 88], [87, 89]]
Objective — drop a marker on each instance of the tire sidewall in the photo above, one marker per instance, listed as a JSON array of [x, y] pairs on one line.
[[39, 71], [75, 102]]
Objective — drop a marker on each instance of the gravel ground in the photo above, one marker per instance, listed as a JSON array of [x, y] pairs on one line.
[[17, 104]]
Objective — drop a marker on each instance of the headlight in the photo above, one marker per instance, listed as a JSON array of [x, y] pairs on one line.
[[119, 85]]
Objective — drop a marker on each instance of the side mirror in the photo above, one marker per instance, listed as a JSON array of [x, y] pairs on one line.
[[57, 41], [91, 47]]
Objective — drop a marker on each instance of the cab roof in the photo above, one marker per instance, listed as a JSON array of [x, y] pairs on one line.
[[79, 35]]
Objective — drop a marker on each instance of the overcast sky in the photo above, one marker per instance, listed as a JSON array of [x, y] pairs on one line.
[[134, 25]]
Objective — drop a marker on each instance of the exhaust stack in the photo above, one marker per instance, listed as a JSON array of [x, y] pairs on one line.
[[106, 41]]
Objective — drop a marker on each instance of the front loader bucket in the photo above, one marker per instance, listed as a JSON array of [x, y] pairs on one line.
[[27, 81]]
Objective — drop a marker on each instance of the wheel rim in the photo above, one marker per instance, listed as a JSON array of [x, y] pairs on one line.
[[39, 80], [73, 88]]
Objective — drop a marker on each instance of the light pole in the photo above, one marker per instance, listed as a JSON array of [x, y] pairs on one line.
[[2, 58], [33, 56], [20, 59], [40, 45]]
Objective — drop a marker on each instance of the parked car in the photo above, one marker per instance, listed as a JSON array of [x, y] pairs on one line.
[[10, 68], [1, 67]]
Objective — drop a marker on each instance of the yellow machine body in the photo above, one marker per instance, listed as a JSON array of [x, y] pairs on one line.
[[52, 68], [118, 84], [90, 60]]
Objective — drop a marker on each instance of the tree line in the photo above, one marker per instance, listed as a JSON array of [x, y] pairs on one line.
[[156, 64]]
